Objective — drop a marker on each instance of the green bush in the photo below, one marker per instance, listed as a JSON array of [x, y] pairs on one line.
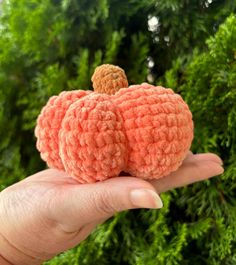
[[48, 46]]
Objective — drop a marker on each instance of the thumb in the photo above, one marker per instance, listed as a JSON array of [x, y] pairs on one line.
[[85, 203]]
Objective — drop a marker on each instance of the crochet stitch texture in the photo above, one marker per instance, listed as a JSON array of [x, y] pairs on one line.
[[109, 79], [143, 130]]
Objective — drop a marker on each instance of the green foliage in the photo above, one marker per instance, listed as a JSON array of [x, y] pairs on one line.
[[48, 46], [183, 25], [208, 84]]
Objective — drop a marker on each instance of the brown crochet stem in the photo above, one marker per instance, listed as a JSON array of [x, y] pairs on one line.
[[108, 78]]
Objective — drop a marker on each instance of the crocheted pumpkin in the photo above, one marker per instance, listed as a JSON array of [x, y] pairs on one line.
[[143, 130]]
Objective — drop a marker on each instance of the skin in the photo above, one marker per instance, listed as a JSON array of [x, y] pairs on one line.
[[49, 212]]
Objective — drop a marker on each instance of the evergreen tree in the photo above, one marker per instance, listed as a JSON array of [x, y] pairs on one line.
[[48, 46]]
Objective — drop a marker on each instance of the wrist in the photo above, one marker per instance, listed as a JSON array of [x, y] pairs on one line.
[[10, 255], [3, 261]]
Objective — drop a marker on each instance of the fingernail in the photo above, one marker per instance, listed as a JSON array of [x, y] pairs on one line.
[[221, 170], [220, 161], [144, 198]]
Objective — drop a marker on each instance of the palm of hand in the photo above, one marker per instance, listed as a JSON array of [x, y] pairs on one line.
[[50, 212]]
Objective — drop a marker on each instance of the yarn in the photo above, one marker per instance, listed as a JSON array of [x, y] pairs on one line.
[[109, 79], [92, 139], [158, 127], [49, 123], [143, 130]]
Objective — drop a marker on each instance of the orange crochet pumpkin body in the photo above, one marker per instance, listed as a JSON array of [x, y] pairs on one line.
[[49, 124], [158, 127], [92, 139], [143, 130]]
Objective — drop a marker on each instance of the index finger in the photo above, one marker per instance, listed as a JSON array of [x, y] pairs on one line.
[[194, 168]]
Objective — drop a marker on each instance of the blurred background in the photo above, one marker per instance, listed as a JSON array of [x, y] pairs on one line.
[[47, 46]]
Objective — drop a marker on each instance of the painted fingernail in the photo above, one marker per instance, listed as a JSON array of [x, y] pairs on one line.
[[145, 198]]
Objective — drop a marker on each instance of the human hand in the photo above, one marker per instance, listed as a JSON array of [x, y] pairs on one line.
[[49, 212]]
